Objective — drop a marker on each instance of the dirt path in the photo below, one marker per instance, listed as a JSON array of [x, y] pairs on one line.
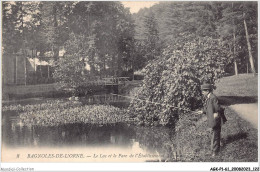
[[248, 112], [240, 93]]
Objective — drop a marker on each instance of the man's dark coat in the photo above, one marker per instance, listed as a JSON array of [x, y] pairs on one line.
[[211, 106]]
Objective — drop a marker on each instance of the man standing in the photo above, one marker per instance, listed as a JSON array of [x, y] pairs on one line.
[[212, 110]]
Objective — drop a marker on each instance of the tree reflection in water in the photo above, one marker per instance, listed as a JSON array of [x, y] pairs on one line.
[[159, 140], [16, 134], [156, 140]]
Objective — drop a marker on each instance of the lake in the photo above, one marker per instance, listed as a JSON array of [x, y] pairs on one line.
[[80, 142]]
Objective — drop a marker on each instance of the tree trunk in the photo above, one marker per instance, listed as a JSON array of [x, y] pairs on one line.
[[247, 67], [16, 69], [23, 46], [104, 67], [234, 52], [251, 60], [56, 47], [235, 66], [48, 71], [234, 45], [41, 71], [25, 72], [35, 67], [133, 60]]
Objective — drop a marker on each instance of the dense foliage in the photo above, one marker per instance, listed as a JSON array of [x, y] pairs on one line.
[[175, 79], [106, 33], [70, 70], [195, 46], [177, 45], [115, 42], [92, 114], [41, 106], [177, 23], [56, 112], [83, 38]]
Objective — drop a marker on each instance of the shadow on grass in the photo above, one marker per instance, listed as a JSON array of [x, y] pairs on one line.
[[231, 100], [234, 137]]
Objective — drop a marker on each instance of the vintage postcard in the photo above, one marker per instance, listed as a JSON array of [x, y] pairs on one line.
[[153, 82]]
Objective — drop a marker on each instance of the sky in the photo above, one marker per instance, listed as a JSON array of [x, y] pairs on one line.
[[135, 6]]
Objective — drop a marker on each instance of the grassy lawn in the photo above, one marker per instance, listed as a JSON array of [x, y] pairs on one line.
[[239, 138], [241, 85]]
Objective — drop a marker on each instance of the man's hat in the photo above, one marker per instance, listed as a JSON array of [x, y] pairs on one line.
[[206, 86]]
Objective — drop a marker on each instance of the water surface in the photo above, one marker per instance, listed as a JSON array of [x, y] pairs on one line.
[[145, 144]]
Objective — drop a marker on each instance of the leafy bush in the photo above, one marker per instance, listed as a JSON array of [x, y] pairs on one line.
[[95, 114], [56, 112], [174, 79], [70, 70], [49, 104]]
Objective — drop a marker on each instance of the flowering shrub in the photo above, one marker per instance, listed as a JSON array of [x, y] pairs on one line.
[[174, 79]]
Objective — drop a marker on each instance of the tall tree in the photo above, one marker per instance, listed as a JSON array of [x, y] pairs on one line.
[[151, 34], [102, 34], [107, 28], [19, 24], [196, 38], [247, 8], [11, 33], [53, 29], [179, 22], [232, 27]]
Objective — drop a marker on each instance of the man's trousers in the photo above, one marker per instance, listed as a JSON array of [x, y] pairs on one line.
[[215, 139]]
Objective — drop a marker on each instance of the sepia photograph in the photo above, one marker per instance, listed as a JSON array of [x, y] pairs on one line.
[[111, 82]]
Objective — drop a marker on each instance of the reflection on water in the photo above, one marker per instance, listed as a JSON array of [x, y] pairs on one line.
[[16, 134], [158, 139], [155, 140]]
